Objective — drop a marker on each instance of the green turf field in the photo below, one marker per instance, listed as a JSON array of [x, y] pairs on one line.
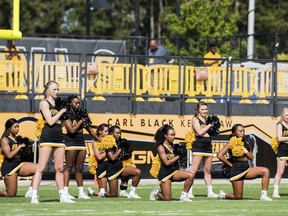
[[49, 203]]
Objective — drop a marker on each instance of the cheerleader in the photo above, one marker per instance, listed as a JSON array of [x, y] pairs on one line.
[[13, 165], [239, 151], [169, 170], [51, 141], [75, 151], [282, 154], [116, 168], [102, 163], [202, 148]]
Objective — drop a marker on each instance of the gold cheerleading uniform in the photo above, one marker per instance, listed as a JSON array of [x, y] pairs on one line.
[[167, 172], [52, 135], [11, 166], [202, 145]]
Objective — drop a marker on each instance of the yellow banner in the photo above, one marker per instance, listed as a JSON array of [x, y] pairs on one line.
[[143, 127]]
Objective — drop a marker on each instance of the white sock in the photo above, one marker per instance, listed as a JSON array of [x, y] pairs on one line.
[[264, 193], [34, 193], [132, 189], [30, 189], [276, 188], [61, 192], [80, 190], [191, 191], [122, 190], [66, 190], [102, 190], [184, 194], [209, 189]]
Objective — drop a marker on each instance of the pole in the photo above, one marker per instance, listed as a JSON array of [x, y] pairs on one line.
[[88, 18], [251, 22]]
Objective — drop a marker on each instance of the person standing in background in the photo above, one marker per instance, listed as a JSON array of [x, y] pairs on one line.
[[158, 50], [12, 51], [212, 54]]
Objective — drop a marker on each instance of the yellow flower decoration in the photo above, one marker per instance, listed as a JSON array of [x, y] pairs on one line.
[[275, 144], [190, 138], [1, 158], [237, 146], [155, 168], [106, 143], [93, 164], [128, 163], [39, 127]]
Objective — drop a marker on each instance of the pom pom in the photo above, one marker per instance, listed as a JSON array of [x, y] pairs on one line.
[[126, 152], [1, 158], [93, 164], [83, 114], [128, 163], [275, 144], [27, 150], [214, 129], [180, 150], [190, 138], [39, 127], [61, 103], [155, 167], [237, 146], [107, 142]]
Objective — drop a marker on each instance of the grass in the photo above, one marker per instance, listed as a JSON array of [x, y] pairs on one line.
[[49, 203]]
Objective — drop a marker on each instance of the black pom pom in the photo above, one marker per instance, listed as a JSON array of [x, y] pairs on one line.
[[214, 129], [27, 150], [182, 152], [126, 152]]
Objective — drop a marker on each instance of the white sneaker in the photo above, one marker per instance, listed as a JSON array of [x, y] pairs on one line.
[[184, 198], [212, 195], [34, 200], [65, 199], [153, 194], [276, 195], [90, 191], [123, 193], [70, 197], [28, 194], [221, 194], [133, 195], [191, 196], [83, 196], [265, 198]]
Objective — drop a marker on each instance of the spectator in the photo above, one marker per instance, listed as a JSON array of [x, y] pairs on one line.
[[12, 54], [210, 55], [158, 50]]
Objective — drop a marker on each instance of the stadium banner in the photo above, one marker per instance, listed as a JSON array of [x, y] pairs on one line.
[[140, 129]]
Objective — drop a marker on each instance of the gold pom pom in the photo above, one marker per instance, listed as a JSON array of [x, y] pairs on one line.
[[275, 144], [155, 168], [190, 138], [39, 127], [128, 163], [237, 146], [93, 164], [1, 158], [106, 143]]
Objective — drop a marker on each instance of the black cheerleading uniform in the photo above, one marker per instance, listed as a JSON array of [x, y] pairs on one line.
[[202, 145], [167, 172], [101, 170], [75, 141], [115, 168], [283, 147], [239, 168], [52, 135], [11, 165]]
